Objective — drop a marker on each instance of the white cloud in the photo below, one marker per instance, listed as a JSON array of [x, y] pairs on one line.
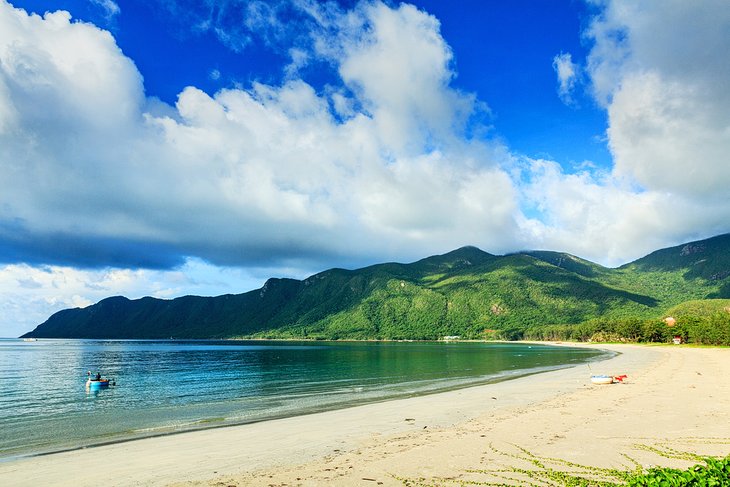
[[567, 73], [661, 70], [110, 7], [408, 95], [265, 173], [606, 219], [670, 135]]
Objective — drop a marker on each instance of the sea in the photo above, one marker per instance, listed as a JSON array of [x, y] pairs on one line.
[[169, 386]]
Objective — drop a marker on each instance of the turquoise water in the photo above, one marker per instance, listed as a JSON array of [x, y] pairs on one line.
[[168, 386]]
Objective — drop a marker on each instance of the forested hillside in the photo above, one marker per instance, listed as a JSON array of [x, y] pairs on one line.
[[467, 293]]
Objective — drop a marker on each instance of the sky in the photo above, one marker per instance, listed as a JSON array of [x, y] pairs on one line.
[[172, 147]]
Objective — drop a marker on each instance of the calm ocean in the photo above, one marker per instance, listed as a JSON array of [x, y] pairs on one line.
[[169, 386]]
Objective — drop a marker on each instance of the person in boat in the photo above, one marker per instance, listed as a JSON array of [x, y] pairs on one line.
[[98, 376]]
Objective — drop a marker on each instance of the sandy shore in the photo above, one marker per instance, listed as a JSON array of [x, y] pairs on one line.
[[676, 397]]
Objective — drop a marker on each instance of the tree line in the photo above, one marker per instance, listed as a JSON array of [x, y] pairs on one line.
[[713, 329]]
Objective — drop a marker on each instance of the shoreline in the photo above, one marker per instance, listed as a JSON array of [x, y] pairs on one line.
[[439, 436], [452, 385], [334, 407]]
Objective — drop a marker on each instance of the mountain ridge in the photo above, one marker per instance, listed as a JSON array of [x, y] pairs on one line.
[[462, 292]]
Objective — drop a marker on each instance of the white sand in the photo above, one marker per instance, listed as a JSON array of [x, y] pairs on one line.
[[676, 397]]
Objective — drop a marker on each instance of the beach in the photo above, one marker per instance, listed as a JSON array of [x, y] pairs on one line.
[[675, 399]]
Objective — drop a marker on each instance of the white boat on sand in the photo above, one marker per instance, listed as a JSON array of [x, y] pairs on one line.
[[602, 379], [607, 379]]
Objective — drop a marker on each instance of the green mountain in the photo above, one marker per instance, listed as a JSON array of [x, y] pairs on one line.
[[465, 292]]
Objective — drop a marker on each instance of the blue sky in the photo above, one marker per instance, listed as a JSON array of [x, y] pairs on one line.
[[171, 147], [503, 51]]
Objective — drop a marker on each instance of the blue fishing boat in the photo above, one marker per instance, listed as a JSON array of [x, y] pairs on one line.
[[93, 384], [96, 382]]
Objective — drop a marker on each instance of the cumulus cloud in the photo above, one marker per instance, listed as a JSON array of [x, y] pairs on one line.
[[407, 95], [567, 73], [266, 174], [661, 71], [286, 173], [603, 218]]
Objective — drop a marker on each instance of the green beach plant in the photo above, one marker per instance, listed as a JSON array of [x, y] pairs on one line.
[[556, 472], [714, 473]]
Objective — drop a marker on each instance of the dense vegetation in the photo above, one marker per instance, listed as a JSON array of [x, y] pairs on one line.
[[467, 293], [709, 324]]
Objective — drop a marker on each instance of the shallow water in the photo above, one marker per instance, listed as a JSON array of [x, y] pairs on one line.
[[169, 386]]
